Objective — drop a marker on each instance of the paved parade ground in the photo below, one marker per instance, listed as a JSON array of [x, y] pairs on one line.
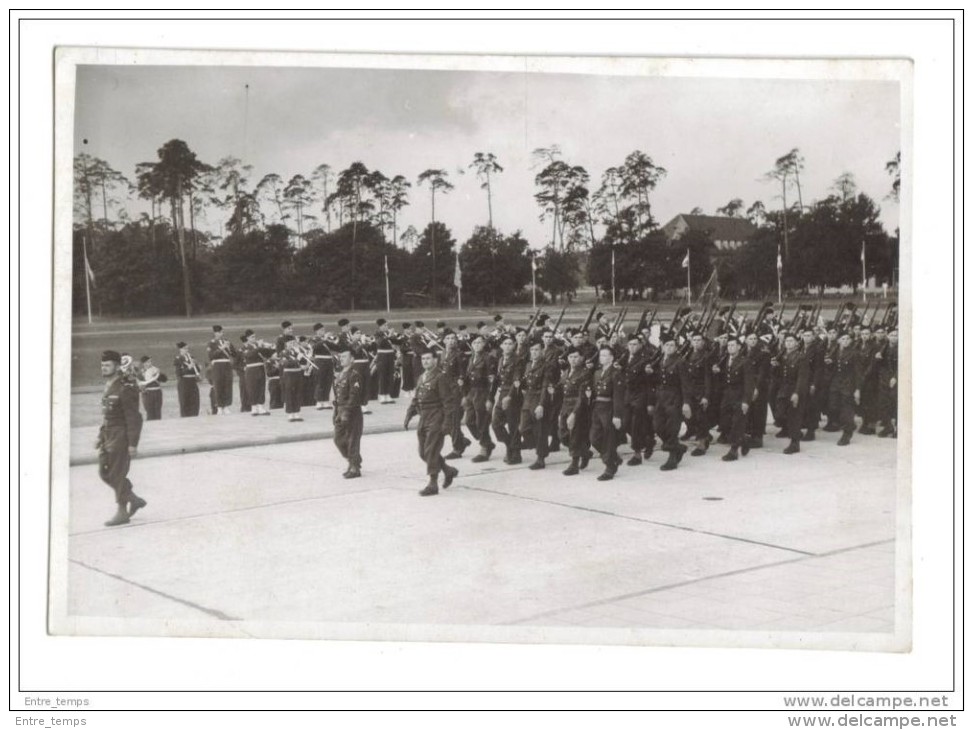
[[239, 537]]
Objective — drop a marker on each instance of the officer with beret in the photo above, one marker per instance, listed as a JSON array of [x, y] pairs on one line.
[[118, 437], [349, 392], [432, 397]]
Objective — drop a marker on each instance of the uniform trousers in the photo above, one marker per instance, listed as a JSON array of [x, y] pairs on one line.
[[113, 465], [188, 390], [256, 379], [531, 427], [757, 417], [324, 379], [577, 438], [348, 423], [636, 423], [505, 420], [292, 383], [222, 376], [841, 403], [477, 416], [275, 391], [888, 403], [152, 402], [431, 434], [602, 433], [385, 365], [245, 403], [791, 416], [668, 419], [733, 421]]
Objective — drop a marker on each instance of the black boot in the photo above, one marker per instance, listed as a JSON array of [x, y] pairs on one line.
[[449, 474], [793, 447], [809, 436], [831, 427], [120, 518], [845, 438], [135, 503], [672, 461], [555, 445], [484, 455], [353, 472], [757, 442], [680, 452], [635, 460], [538, 464], [885, 432], [430, 489], [730, 455], [572, 469], [585, 458], [745, 446], [515, 457]]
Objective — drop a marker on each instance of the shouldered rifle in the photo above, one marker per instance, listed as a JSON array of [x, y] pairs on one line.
[[618, 322], [641, 325], [591, 316], [560, 317], [533, 321]]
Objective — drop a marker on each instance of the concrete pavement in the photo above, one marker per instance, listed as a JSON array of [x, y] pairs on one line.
[[271, 541]]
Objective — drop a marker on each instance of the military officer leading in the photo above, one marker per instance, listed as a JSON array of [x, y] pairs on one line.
[[118, 437], [348, 399], [432, 397]]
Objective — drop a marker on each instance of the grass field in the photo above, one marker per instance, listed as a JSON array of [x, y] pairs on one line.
[[157, 337]]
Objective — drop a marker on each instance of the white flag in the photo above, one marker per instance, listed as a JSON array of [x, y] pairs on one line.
[[386, 265], [863, 252], [780, 263], [88, 270], [533, 263], [458, 275], [685, 261]]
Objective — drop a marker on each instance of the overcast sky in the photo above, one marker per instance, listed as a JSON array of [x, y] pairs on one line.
[[716, 137]]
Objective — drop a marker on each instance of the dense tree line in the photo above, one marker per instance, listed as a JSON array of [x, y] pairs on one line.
[[324, 241]]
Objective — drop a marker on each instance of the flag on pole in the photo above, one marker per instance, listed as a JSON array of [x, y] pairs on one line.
[[386, 265], [780, 263], [458, 276], [863, 252], [533, 263], [87, 268], [685, 261]]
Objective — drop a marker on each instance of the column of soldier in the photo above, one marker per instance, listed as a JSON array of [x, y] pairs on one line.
[[540, 387]]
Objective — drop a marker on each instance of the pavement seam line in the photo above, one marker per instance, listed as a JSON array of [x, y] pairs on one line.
[[642, 520], [681, 584], [211, 611]]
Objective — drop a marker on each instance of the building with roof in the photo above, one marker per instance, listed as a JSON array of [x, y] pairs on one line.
[[726, 233]]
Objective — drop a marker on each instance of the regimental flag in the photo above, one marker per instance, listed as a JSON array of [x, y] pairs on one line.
[[780, 262], [458, 275], [685, 261], [89, 272], [386, 265], [863, 252], [533, 263]]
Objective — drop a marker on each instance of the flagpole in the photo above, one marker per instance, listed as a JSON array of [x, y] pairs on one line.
[[613, 276], [780, 267], [87, 282], [388, 299], [864, 279], [689, 280], [533, 281]]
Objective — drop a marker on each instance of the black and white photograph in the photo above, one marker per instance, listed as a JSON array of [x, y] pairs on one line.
[[409, 348], [478, 369]]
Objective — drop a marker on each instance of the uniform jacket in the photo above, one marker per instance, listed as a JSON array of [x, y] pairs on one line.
[[847, 370], [674, 384], [121, 420], [737, 376], [348, 389], [221, 350], [609, 383], [794, 374], [509, 371], [573, 387]]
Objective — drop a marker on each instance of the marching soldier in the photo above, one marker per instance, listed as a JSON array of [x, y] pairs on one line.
[[348, 399], [636, 420], [384, 361], [506, 400], [737, 377], [286, 330], [814, 352], [573, 419], [324, 359], [888, 377], [118, 437], [699, 372], [479, 382], [607, 409], [221, 355], [433, 392], [552, 356], [240, 368], [275, 391], [452, 366], [845, 390], [537, 400], [417, 345], [869, 346], [353, 338], [792, 392], [829, 350], [151, 386], [187, 383], [255, 356], [672, 401], [760, 364], [407, 354], [292, 378]]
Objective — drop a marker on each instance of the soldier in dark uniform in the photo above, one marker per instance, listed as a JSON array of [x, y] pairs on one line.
[[521, 346], [737, 377], [573, 419], [602, 326], [759, 360], [888, 378], [506, 400], [187, 384], [286, 330], [636, 421], [552, 356], [309, 374], [868, 348], [814, 352], [292, 378], [537, 400], [672, 401], [254, 356], [384, 361], [699, 367], [829, 350], [118, 437], [324, 359], [239, 367], [151, 385], [275, 390], [408, 341], [348, 423], [417, 344], [792, 392], [452, 365], [607, 411], [844, 392], [353, 340], [433, 391], [480, 373], [221, 355]]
